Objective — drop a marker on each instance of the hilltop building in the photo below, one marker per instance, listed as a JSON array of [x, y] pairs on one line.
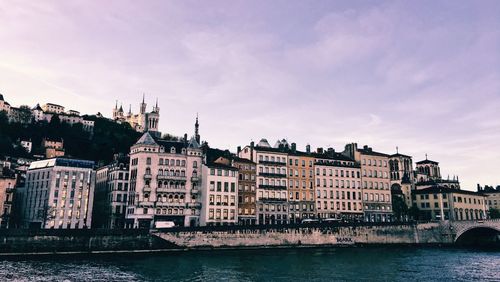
[[141, 122]]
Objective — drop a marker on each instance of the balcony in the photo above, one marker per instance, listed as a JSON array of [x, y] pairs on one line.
[[147, 176], [272, 163], [268, 199], [146, 189], [195, 179], [276, 175], [274, 187], [171, 177], [194, 205], [170, 190], [195, 191]]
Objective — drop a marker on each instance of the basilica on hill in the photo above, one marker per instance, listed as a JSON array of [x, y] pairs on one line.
[[141, 122]]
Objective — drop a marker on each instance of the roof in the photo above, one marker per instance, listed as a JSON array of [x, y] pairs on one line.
[[427, 162], [441, 189], [400, 155], [178, 145], [1, 97], [193, 143], [213, 154], [333, 156], [61, 162], [242, 160], [37, 108], [372, 153], [437, 181], [146, 139], [219, 165], [52, 104], [269, 149]]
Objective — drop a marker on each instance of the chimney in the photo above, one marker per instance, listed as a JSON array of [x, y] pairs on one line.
[[294, 147], [308, 148], [320, 150], [238, 150], [330, 151], [185, 137], [252, 145], [365, 147]]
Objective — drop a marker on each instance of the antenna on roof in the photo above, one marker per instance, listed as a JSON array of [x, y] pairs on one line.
[[426, 156], [397, 150]]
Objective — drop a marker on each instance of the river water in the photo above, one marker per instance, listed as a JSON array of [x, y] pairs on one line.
[[314, 264]]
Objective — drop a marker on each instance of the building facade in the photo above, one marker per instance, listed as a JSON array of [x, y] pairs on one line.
[[111, 194], [219, 194], [375, 181], [7, 186], [402, 178], [442, 203], [165, 179], [247, 190], [301, 196], [338, 186], [271, 201], [59, 194]]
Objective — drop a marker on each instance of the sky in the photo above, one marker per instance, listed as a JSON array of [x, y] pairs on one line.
[[423, 76]]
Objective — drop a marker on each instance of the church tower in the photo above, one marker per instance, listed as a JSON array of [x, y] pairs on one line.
[[196, 130], [115, 111], [143, 105], [156, 109]]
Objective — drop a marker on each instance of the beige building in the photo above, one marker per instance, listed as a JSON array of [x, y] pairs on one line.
[[59, 194], [375, 181], [53, 148], [165, 181], [402, 177], [338, 186], [301, 196], [53, 108], [442, 203], [271, 202], [7, 185]]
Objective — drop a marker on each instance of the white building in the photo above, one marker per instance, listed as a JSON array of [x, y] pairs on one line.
[[27, 145], [219, 194], [164, 182], [59, 194], [53, 108], [143, 121]]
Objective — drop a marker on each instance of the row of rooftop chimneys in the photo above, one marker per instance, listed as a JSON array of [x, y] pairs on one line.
[[293, 148]]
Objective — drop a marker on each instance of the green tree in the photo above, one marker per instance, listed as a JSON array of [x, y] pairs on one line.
[[414, 213], [494, 213], [399, 207]]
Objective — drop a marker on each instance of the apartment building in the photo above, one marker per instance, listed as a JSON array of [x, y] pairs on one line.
[[271, 201], [164, 182], [111, 194], [375, 180], [301, 196], [59, 194], [338, 186]]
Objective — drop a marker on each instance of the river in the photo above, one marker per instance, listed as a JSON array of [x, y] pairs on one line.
[[304, 264]]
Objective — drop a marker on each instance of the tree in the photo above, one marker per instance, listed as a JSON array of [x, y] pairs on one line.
[[399, 208], [414, 213], [494, 213]]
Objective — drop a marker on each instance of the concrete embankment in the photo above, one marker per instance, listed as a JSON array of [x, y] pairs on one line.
[[300, 235], [29, 242]]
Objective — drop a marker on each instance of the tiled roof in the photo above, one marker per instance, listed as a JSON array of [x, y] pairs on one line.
[[146, 139]]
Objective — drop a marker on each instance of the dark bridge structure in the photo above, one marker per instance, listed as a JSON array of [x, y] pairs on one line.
[[478, 232]]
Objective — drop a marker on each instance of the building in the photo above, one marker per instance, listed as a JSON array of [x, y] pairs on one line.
[[402, 182], [53, 108], [164, 182], [4, 106], [59, 194], [428, 174], [27, 145], [143, 121], [7, 184], [247, 190], [454, 204], [271, 201], [53, 148], [111, 194], [301, 196], [377, 205], [219, 205], [492, 196]]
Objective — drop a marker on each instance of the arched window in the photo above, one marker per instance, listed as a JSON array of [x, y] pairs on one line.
[[172, 150], [148, 170], [160, 162]]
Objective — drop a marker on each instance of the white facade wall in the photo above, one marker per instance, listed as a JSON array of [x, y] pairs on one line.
[[219, 196]]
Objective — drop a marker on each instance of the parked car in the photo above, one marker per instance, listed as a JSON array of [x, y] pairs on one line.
[[164, 224]]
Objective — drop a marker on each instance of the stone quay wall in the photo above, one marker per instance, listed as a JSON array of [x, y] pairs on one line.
[[53, 241], [310, 235]]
